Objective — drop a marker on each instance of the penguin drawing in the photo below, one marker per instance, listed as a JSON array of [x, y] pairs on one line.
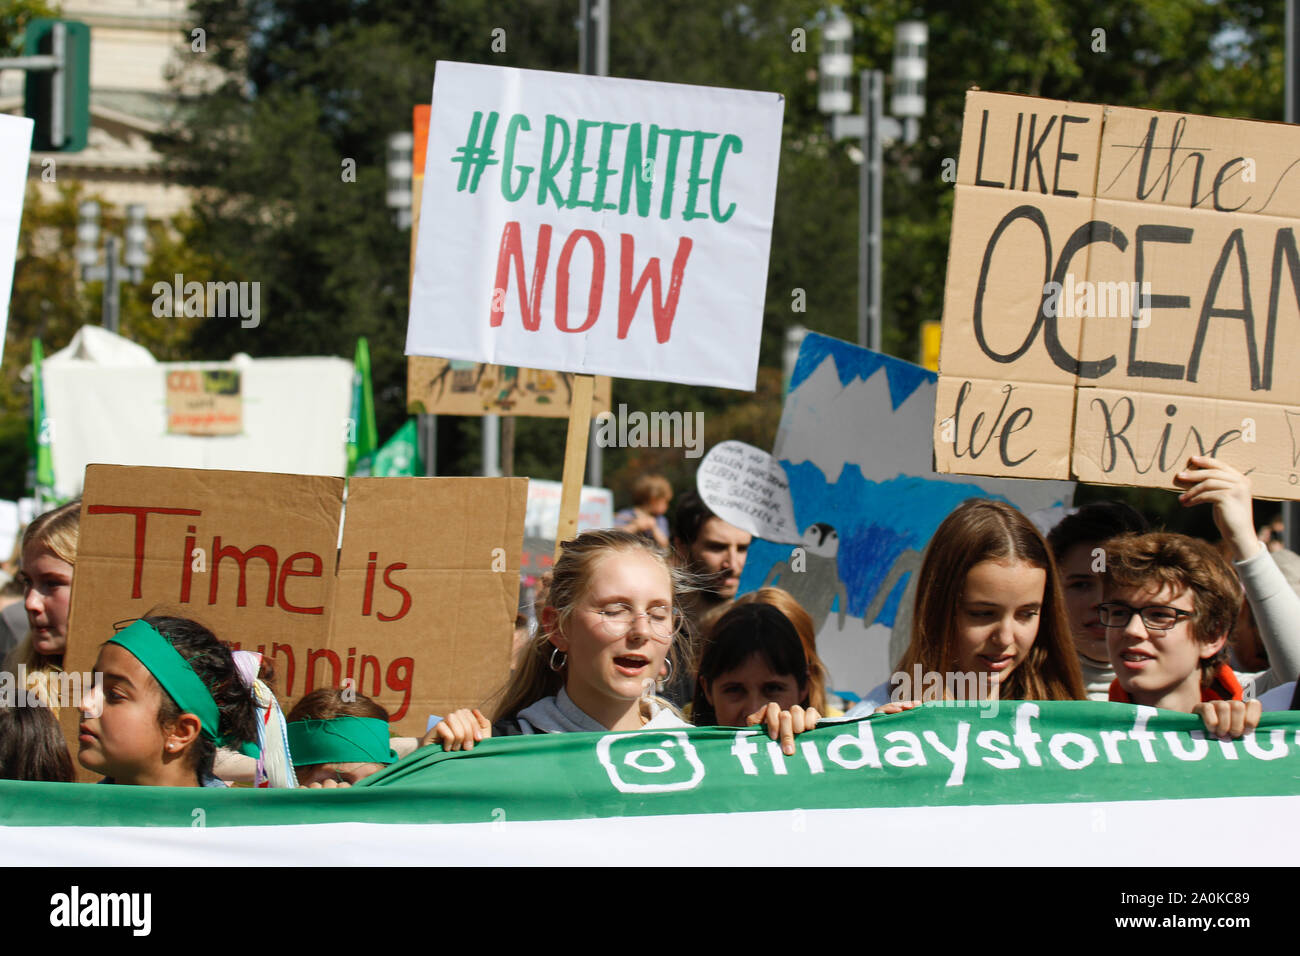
[[818, 584], [909, 563]]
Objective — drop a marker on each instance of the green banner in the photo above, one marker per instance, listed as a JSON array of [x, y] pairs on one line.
[[936, 756]]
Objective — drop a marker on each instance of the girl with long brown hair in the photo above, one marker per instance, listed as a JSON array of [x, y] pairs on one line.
[[990, 619]]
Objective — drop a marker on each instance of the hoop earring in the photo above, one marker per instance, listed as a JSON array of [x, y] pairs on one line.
[[669, 676], [564, 659]]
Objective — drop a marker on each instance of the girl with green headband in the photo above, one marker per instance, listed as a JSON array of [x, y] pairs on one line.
[[337, 739], [171, 695]]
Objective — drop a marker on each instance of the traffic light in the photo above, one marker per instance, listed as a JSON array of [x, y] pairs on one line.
[[59, 99]]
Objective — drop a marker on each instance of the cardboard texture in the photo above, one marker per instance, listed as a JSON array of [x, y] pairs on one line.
[[446, 387], [419, 612], [1123, 287]]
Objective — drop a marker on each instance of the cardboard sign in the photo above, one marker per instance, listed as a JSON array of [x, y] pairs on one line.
[[452, 387], [15, 148], [416, 608], [1123, 292], [595, 225], [855, 447], [204, 402]]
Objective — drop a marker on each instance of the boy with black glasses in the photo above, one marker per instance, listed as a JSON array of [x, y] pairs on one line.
[[1170, 603]]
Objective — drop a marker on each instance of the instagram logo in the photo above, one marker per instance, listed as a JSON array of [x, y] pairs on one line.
[[650, 763]]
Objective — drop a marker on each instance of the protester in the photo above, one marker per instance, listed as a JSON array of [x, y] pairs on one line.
[[13, 617], [651, 496], [713, 552], [337, 739], [31, 745], [710, 547], [1171, 603], [1246, 646], [989, 621], [607, 639], [1076, 543], [1273, 601], [754, 663], [795, 613], [1169, 606], [1273, 534], [171, 695], [49, 549]]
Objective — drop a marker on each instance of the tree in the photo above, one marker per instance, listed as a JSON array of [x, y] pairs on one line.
[[14, 17]]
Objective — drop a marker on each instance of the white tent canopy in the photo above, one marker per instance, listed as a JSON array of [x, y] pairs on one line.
[[95, 345], [105, 398]]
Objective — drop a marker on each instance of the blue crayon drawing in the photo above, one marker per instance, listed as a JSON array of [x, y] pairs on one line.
[[855, 443]]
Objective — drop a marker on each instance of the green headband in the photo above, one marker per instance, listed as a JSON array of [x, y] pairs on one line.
[[339, 740], [173, 672]]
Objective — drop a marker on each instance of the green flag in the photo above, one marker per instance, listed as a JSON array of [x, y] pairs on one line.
[[362, 434], [400, 455], [42, 485]]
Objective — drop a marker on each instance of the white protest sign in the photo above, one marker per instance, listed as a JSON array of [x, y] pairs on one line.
[[747, 487], [595, 510], [15, 148], [596, 225]]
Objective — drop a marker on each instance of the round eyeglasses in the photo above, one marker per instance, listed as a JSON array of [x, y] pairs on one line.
[[1157, 617], [617, 620]]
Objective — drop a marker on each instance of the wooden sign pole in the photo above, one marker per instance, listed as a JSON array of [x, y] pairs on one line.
[[575, 458]]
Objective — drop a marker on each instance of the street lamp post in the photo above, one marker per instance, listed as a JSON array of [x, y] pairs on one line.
[[873, 127], [113, 272]]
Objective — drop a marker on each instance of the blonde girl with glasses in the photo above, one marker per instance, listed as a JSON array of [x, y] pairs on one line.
[[611, 633]]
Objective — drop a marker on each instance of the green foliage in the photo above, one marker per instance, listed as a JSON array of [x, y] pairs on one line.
[[46, 301], [14, 17], [50, 302]]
